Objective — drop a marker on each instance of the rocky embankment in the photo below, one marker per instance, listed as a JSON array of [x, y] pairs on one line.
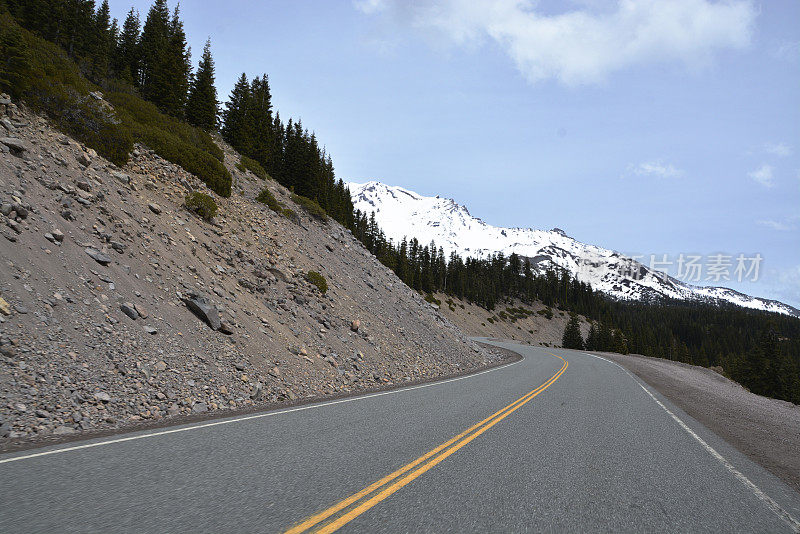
[[532, 323], [118, 306]]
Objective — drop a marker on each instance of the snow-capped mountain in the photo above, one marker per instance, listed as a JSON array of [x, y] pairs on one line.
[[403, 213]]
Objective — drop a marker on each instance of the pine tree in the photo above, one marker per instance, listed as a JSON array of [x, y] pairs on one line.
[[165, 60], [572, 338], [258, 122], [154, 43], [126, 56], [234, 129], [102, 42], [591, 338], [202, 107], [178, 67]]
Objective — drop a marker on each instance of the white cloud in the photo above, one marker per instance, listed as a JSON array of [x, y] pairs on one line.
[[763, 175], [655, 168], [778, 149], [583, 45], [781, 226]]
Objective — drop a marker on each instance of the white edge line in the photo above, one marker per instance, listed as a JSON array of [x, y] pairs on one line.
[[766, 499], [249, 417]]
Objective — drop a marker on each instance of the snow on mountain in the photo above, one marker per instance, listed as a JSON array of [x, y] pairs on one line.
[[403, 213]]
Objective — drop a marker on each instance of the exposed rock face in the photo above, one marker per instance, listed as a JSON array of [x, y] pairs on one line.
[[95, 328]]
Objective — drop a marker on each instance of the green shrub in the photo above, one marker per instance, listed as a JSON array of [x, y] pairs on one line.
[[189, 147], [291, 215], [318, 280], [311, 206], [202, 205], [433, 300], [249, 164], [266, 197]]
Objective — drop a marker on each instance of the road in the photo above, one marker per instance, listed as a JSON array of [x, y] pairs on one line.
[[559, 441]]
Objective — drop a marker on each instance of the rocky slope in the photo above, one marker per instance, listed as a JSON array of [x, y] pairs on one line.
[[534, 323], [99, 262], [403, 213]]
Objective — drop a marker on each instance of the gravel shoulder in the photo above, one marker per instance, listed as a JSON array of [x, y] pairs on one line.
[[766, 430]]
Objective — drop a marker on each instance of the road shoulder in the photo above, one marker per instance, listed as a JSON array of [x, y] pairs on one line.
[[766, 430]]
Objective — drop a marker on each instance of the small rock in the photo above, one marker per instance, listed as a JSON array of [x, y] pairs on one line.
[[84, 185], [22, 211], [63, 430], [155, 208], [102, 396], [161, 366], [84, 159], [150, 330], [355, 325], [121, 177], [128, 309], [5, 308], [200, 407], [98, 256], [58, 235]]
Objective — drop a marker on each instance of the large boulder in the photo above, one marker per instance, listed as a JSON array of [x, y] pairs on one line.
[[203, 309], [98, 256], [15, 144]]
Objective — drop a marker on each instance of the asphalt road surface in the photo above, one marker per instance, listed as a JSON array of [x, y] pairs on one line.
[[559, 441]]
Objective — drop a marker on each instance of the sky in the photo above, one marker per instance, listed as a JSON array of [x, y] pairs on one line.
[[648, 127]]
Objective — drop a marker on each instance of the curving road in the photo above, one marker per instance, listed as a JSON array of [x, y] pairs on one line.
[[559, 441]]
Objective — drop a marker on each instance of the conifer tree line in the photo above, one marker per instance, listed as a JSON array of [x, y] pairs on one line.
[[152, 57], [758, 349], [288, 152]]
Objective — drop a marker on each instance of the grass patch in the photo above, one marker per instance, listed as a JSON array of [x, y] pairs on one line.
[[201, 205], [311, 207], [318, 280]]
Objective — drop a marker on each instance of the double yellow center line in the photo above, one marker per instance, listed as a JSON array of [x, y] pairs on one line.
[[356, 504]]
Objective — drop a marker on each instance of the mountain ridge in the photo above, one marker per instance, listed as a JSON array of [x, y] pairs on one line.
[[404, 213]]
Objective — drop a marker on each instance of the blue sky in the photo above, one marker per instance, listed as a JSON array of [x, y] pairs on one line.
[[648, 127]]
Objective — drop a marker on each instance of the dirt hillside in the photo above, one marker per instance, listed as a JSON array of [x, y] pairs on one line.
[[102, 266], [535, 324]]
